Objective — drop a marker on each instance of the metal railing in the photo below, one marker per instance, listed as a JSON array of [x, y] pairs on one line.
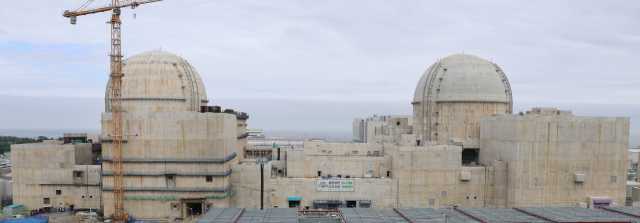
[[176, 160], [162, 173], [189, 189]]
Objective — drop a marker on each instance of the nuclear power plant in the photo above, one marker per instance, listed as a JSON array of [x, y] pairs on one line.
[[463, 154]]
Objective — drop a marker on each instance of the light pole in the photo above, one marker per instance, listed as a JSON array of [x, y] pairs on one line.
[[191, 212]]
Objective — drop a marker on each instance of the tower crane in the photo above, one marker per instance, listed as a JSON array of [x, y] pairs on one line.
[[115, 76]]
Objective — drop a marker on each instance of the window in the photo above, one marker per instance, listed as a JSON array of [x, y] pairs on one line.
[[90, 196], [319, 173], [432, 202], [58, 192], [174, 206], [78, 174], [169, 177], [444, 193], [614, 179], [355, 152], [418, 142], [324, 151], [398, 123], [47, 201], [209, 178], [82, 196], [388, 173]]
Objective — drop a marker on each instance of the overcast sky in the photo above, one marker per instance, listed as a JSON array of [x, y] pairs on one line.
[[313, 66]]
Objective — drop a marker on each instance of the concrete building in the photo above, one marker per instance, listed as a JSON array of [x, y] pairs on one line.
[[180, 159], [465, 149], [453, 95], [554, 159], [364, 130], [50, 174], [461, 148], [255, 133]]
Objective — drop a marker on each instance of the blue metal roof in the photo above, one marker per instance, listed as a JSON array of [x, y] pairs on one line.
[[13, 206], [294, 198]]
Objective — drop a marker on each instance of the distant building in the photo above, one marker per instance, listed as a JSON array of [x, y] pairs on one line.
[[364, 130], [274, 141], [255, 133]]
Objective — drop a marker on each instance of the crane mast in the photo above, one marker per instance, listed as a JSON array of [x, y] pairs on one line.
[[115, 78], [116, 74]]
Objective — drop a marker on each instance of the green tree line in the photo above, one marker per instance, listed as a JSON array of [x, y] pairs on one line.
[[6, 141]]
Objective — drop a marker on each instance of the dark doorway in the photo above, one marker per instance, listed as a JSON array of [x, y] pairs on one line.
[[352, 204], [470, 156], [294, 204], [196, 207]]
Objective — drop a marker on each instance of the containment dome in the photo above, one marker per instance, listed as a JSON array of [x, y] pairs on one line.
[[463, 77], [157, 81], [454, 93]]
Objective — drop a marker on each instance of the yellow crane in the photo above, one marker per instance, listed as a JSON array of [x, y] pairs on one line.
[[115, 76]]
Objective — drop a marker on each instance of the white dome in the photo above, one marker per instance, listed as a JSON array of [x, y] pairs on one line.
[[158, 81], [464, 77]]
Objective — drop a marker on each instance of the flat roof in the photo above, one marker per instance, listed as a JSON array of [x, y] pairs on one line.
[[406, 215]]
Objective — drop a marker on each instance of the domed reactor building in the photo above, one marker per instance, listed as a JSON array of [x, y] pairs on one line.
[[180, 159], [451, 98]]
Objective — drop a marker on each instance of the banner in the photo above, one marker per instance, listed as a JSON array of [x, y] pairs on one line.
[[336, 185]]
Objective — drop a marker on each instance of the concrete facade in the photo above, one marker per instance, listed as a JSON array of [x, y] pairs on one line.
[[181, 155], [180, 158], [55, 175], [545, 148]]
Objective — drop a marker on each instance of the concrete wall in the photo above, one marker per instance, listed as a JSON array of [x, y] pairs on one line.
[[543, 152], [302, 166], [460, 120], [340, 149], [430, 176], [166, 140], [39, 170], [381, 192]]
